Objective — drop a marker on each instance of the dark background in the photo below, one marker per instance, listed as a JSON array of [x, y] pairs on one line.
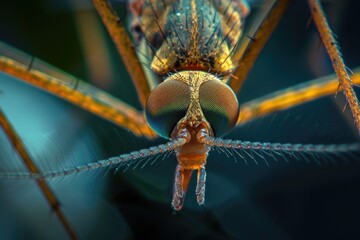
[[298, 200]]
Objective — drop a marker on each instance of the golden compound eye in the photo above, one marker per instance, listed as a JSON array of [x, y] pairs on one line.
[[219, 105], [166, 105]]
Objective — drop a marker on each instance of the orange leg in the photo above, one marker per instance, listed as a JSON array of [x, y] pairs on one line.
[[336, 59], [84, 95], [44, 187], [125, 48], [252, 45], [291, 97]]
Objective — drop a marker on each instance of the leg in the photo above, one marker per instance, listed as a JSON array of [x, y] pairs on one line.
[[84, 95], [291, 97], [125, 48], [336, 59], [182, 178], [252, 46], [44, 187], [200, 186]]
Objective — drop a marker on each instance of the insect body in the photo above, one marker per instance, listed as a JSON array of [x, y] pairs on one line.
[[189, 47], [195, 42]]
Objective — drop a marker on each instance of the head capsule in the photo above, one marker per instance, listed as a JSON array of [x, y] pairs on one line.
[[192, 97]]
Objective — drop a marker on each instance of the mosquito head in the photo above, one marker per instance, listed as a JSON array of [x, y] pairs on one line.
[[191, 105], [191, 98]]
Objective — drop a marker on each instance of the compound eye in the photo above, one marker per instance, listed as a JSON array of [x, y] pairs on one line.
[[166, 105], [219, 105]]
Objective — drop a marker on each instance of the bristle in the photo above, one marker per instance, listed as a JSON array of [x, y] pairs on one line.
[[153, 10], [227, 8], [176, 33], [213, 34], [227, 35], [161, 31]]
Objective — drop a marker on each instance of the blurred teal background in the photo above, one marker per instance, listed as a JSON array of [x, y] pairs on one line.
[[282, 201]]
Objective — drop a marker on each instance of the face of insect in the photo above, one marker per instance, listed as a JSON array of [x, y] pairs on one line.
[[189, 104], [190, 98]]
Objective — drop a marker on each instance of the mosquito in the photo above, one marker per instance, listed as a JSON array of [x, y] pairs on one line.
[[191, 128]]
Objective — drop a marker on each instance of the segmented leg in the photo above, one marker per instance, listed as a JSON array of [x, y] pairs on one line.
[[336, 59], [45, 189], [200, 186], [291, 97], [182, 178], [252, 45], [178, 191], [124, 46], [37, 73]]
